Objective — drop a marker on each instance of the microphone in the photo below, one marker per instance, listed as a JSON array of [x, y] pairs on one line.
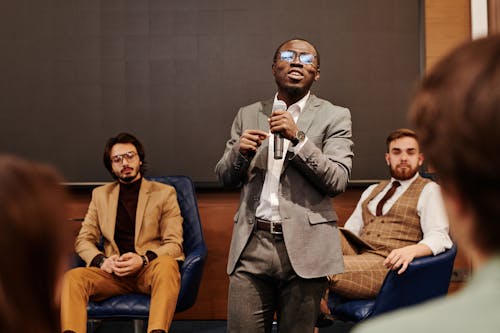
[[278, 138]]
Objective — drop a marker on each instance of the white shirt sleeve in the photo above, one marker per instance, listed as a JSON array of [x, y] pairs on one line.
[[355, 222], [433, 219]]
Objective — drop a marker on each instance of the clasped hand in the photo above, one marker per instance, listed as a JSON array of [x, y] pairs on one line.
[[124, 265]]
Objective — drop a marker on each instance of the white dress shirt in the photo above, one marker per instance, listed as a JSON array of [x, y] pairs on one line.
[[430, 209], [268, 207]]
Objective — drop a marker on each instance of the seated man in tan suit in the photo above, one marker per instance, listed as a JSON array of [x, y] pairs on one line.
[[394, 222], [141, 226]]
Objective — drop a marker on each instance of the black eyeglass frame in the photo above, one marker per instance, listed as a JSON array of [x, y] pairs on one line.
[[129, 156], [305, 58]]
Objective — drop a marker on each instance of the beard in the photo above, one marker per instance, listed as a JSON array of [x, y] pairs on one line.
[[294, 92], [127, 177], [403, 173]]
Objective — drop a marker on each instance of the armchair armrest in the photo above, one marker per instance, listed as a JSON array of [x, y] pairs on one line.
[[425, 278], [191, 272]]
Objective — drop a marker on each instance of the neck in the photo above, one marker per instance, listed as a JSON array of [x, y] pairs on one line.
[[291, 96]]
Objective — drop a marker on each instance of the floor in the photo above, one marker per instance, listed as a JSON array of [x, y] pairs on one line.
[[201, 326]]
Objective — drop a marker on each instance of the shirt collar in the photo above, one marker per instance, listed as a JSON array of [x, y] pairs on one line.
[[407, 182], [299, 105]]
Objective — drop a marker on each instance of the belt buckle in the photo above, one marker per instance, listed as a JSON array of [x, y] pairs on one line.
[[272, 225]]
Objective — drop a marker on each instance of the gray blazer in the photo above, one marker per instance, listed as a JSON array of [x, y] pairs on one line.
[[319, 171]]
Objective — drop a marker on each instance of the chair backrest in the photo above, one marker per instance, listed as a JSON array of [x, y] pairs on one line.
[[425, 278], [192, 232], [194, 243]]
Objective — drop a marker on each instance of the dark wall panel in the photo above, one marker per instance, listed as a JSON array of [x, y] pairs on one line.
[[174, 73]]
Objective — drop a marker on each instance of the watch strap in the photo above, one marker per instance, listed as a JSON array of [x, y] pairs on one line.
[[145, 260]]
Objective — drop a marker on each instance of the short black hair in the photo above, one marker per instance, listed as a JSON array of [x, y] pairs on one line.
[[123, 138], [296, 38]]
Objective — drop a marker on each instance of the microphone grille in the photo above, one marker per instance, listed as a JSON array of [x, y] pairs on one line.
[[279, 105]]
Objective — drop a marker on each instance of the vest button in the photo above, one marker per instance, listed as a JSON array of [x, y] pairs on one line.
[[378, 235], [382, 221], [367, 232]]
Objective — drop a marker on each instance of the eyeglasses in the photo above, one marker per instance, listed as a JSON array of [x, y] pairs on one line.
[[304, 58], [129, 156]]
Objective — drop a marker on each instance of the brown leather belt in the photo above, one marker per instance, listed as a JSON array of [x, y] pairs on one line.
[[269, 226]]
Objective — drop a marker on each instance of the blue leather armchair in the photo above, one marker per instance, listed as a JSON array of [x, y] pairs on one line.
[[425, 278], [136, 306]]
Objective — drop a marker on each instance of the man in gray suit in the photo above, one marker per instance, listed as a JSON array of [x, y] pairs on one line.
[[285, 240]]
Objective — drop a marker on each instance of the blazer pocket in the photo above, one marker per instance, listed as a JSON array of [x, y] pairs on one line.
[[322, 217]]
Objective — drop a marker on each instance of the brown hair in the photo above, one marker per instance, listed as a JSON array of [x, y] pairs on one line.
[[33, 245], [456, 111], [400, 133]]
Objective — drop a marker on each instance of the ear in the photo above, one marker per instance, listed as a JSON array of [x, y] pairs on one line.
[[420, 159], [387, 159], [316, 77], [273, 68]]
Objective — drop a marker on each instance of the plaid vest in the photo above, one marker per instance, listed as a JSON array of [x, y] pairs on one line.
[[400, 226]]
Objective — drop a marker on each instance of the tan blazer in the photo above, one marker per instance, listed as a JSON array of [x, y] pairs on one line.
[[308, 181], [158, 223]]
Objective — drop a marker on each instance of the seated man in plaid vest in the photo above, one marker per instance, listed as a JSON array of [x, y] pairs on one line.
[[394, 222]]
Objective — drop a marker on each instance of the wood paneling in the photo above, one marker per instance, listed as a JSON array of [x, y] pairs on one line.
[[447, 24], [216, 212], [493, 16]]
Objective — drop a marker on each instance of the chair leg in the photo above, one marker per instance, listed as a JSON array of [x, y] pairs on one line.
[[274, 328], [139, 325], [92, 324]]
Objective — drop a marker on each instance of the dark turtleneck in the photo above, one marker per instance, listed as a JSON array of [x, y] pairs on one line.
[[125, 216]]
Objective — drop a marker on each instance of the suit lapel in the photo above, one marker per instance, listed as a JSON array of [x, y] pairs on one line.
[[307, 115], [109, 226], [144, 194], [304, 122], [260, 159]]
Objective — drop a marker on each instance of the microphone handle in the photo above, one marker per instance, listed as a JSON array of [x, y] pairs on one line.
[[278, 138], [278, 146]]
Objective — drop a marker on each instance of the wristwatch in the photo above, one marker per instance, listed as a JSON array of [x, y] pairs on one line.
[[101, 261], [299, 137], [145, 260]]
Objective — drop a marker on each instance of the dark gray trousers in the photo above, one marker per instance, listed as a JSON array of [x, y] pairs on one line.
[[263, 283]]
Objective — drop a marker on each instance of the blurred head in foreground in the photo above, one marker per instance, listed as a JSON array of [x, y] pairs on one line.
[[34, 245], [456, 112]]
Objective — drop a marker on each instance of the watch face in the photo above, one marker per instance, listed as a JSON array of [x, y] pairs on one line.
[[301, 135]]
